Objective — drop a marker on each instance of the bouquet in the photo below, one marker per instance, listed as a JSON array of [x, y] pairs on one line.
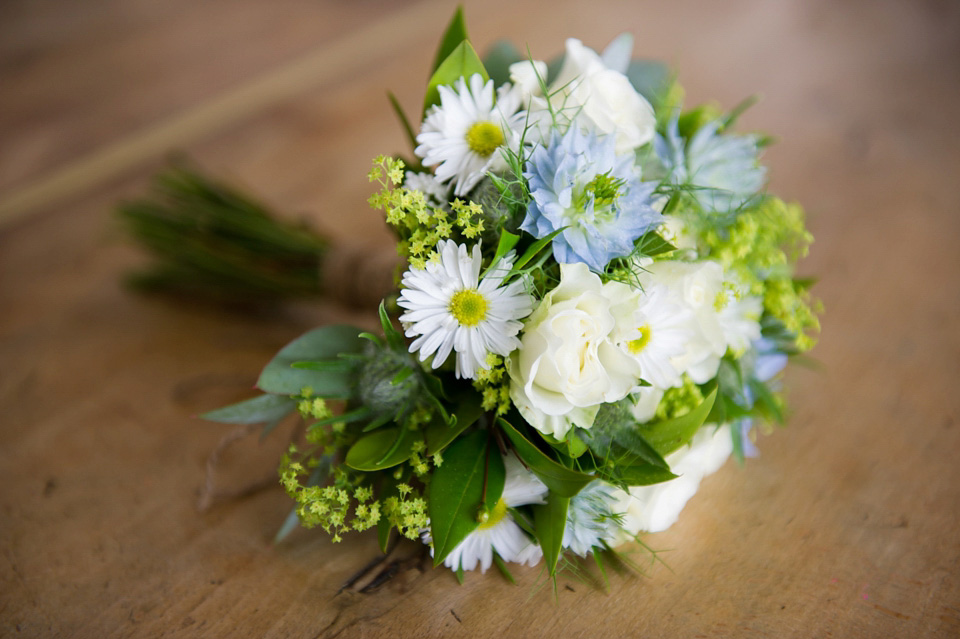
[[598, 297]]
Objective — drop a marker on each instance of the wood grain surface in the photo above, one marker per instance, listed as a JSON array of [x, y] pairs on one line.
[[846, 526]]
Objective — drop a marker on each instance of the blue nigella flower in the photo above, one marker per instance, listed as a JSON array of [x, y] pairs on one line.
[[721, 169], [579, 182], [767, 362]]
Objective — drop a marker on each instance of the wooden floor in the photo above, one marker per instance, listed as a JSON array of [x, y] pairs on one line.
[[846, 526]]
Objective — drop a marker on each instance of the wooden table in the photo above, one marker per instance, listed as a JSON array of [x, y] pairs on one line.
[[846, 526]]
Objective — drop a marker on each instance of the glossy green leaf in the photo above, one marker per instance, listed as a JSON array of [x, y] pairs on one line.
[[561, 480], [439, 433], [381, 449], [281, 378], [456, 491], [640, 475], [265, 408], [535, 248], [507, 241], [549, 522], [667, 436], [455, 33], [462, 62]]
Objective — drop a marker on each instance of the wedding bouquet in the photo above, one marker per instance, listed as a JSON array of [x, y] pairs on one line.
[[598, 299]]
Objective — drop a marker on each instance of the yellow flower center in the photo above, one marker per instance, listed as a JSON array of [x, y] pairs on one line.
[[468, 307], [494, 516], [484, 138], [637, 345]]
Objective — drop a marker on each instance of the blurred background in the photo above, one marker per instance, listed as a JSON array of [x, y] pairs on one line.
[[846, 525]]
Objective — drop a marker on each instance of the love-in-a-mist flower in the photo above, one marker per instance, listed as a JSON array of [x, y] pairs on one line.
[[499, 532], [579, 182], [450, 308], [720, 170], [592, 518], [462, 137]]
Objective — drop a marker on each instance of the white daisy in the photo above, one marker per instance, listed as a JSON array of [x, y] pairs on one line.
[[450, 308], [652, 330], [499, 532], [462, 136]]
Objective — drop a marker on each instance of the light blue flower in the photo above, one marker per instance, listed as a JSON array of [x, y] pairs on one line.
[[590, 519], [763, 362], [579, 182], [721, 170]]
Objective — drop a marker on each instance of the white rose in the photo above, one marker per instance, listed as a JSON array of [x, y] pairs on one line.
[[655, 508], [589, 93], [566, 365], [603, 99]]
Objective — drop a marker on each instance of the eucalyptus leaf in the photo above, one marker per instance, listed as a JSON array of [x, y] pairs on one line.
[[471, 478], [462, 62], [650, 78], [264, 408], [281, 378], [667, 436], [498, 59], [561, 480], [549, 522]]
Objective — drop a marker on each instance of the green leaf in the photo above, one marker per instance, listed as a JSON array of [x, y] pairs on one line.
[[651, 244], [455, 34], [404, 122], [667, 436], [291, 523], [342, 366], [456, 491], [535, 248], [641, 475], [394, 337], [462, 62], [279, 377], [381, 449], [498, 59], [615, 437], [549, 521], [561, 480], [507, 241], [502, 566], [466, 412], [265, 408], [650, 78]]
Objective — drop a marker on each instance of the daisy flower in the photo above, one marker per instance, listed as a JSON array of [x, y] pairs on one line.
[[652, 330], [462, 136], [450, 308], [499, 532]]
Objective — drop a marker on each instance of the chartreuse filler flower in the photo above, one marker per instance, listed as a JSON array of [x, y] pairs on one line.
[[599, 298]]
